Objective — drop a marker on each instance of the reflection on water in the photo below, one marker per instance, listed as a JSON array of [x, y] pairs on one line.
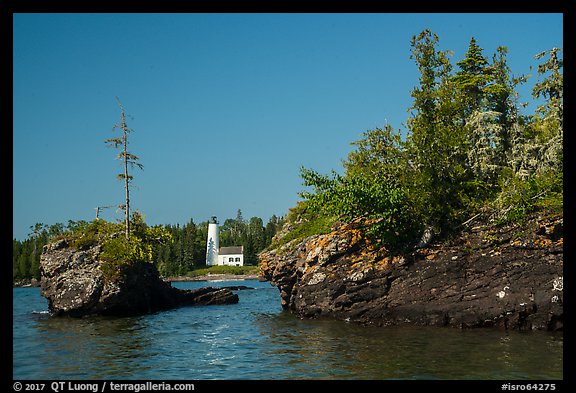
[[101, 347], [332, 349], [255, 339]]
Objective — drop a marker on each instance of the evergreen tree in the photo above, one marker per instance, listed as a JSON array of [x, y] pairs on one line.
[[38, 241], [474, 75], [551, 88], [26, 254], [256, 235], [486, 93], [24, 266], [272, 226], [538, 146], [502, 98], [16, 253], [55, 230], [436, 143], [189, 245], [485, 153]]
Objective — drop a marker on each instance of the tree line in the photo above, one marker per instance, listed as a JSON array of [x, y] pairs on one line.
[[174, 249], [185, 252], [26, 253], [468, 151]]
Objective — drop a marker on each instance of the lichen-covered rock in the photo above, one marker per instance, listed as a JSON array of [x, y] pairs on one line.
[[74, 283], [509, 276]]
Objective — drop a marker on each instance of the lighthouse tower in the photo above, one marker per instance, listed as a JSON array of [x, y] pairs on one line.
[[212, 244]]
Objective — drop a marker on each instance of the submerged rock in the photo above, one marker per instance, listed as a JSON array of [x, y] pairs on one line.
[[75, 283], [510, 277]]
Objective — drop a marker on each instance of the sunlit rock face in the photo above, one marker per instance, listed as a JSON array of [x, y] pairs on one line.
[[76, 284], [503, 276]]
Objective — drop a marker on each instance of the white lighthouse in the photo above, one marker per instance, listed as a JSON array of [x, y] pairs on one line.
[[212, 244]]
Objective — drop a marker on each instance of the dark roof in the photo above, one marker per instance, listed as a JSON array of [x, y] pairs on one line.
[[231, 250]]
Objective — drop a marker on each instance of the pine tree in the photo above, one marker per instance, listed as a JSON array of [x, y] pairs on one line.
[[551, 88], [488, 112], [24, 266], [503, 98], [474, 75], [256, 233]]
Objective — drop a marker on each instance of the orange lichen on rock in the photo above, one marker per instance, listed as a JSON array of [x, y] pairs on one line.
[[383, 263], [543, 242]]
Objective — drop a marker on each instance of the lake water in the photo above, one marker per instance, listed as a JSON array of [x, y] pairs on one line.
[[256, 339]]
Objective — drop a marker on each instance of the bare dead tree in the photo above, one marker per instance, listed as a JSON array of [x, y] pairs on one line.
[[128, 160], [99, 208]]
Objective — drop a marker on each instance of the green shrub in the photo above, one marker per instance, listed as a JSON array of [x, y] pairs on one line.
[[303, 222], [116, 251], [380, 200], [314, 226]]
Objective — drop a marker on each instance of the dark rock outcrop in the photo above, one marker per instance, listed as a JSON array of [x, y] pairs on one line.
[[507, 276], [75, 284]]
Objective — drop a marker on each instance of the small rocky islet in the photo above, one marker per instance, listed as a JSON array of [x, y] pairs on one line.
[[75, 284]]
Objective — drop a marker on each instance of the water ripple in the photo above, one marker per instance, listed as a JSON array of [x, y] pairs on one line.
[[256, 339]]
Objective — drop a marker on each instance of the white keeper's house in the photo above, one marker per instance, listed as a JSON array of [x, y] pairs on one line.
[[232, 256], [216, 255]]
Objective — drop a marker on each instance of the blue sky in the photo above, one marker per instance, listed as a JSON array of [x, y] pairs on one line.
[[225, 107]]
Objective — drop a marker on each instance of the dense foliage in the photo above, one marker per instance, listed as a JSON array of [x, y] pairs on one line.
[[175, 249], [467, 151]]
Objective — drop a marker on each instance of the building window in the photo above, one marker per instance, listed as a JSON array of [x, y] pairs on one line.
[[237, 259], [230, 259]]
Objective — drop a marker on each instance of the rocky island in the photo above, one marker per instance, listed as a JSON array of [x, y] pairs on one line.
[[77, 282], [508, 276], [470, 169]]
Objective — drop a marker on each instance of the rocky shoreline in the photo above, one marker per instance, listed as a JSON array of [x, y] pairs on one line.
[[213, 277], [26, 284], [205, 277], [507, 276]]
